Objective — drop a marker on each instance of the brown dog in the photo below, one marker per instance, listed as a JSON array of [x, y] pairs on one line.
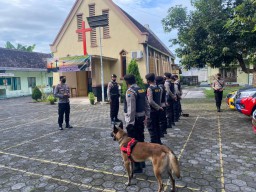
[[163, 159]]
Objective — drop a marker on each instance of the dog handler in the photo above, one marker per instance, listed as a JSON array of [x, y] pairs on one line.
[[113, 97], [137, 112], [62, 92]]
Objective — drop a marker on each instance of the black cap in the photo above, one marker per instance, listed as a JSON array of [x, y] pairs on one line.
[[61, 77], [150, 77], [130, 79], [113, 75]]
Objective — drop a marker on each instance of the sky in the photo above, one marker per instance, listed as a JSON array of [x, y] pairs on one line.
[[37, 22]]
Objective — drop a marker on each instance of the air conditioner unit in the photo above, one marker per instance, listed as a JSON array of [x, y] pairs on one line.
[[137, 54]]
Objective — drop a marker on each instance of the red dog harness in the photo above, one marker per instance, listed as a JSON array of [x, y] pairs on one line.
[[128, 149]]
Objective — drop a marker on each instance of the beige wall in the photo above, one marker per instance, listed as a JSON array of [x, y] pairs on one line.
[[122, 37]]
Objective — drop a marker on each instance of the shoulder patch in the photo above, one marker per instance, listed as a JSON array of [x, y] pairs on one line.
[[141, 91]]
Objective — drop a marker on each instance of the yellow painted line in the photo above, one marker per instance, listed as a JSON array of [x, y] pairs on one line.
[[222, 179], [29, 141], [184, 146], [56, 179]]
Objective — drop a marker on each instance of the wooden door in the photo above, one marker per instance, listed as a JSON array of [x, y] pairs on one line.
[[82, 83]]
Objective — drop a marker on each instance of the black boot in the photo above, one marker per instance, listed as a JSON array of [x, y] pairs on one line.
[[218, 109], [137, 168]]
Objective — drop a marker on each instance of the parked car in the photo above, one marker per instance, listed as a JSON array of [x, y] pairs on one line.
[[254, 121], [230, 99], [246, 101]]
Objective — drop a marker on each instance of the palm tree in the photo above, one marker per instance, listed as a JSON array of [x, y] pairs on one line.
[[21, 47]]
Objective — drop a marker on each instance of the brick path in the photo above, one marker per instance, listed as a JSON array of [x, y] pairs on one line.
[[217, 151]]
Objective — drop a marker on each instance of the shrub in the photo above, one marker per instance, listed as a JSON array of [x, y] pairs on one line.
[[133, 69], [91, 98], [51, 99], [36, 94]]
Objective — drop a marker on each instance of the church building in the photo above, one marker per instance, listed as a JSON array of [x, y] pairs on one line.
[[122, 40]]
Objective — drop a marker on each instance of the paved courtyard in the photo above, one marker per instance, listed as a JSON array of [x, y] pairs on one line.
[[217, 151]]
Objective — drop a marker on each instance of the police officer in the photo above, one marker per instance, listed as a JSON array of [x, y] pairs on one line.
[[218, 86], [62, 91], [113, 97], [154, 95], [170, 98], [162, 118], [137, 112], [178, 91]]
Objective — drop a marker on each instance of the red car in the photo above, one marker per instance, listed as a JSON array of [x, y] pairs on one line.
[[246, 105]]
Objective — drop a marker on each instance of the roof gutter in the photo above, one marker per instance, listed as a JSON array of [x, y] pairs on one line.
[[22, 69]]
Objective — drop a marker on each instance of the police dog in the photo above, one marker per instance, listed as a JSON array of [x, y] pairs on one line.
[[163, 159]]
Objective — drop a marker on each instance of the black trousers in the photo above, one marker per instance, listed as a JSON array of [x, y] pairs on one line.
[[163, 120], [176, 110], [154, 128], [63, 108], [170, 113], [137, 132], [218, 98], [114, 106]]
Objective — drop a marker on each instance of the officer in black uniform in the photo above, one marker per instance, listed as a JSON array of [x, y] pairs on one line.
[[137, 112], [113, 97], [162, 118], [170, 98], [154, 95]]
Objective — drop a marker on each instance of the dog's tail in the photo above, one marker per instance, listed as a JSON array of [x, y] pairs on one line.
[[174, 164]]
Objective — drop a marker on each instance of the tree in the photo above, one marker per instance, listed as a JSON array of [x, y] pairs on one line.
[[134, 70], [30, 48], [36, 94], [209, 33]]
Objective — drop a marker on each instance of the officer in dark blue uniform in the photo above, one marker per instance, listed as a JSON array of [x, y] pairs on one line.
[[137, 112], [154, 95], [162, 118], [113, 97]]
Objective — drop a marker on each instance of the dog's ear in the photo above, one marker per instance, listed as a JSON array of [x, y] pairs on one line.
[[115, 129], [121, 125]]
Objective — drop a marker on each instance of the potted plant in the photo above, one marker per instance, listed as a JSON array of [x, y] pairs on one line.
[[91, 98], [36, 94], [51, 99]]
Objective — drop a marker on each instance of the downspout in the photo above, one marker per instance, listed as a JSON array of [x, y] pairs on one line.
[[147, 62]]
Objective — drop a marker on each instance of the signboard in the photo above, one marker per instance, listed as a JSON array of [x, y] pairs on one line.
[[69, 64], [6, 75], [98, 21]]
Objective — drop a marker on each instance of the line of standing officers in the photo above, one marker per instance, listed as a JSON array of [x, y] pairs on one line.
[[157, 108]]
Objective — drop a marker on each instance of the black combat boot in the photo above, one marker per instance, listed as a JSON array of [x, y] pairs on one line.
[[137, 168]]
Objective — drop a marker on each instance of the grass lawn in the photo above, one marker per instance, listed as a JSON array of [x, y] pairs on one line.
[[210, 93]]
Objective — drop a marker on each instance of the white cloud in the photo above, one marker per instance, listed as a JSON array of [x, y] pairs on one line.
[[38, 22]]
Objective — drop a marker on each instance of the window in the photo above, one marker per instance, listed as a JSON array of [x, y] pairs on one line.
[[16, 83], [106, 28], [79, 18], [5, 81], [31, 82], [93, 32], [50, 81], [123, 63]]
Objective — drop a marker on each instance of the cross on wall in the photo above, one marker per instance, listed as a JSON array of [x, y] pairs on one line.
[[83, 30]]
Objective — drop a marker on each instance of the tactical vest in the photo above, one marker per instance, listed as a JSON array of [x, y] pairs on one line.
[[140, 95], [114, 89], [163, 93], [156, 94]]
